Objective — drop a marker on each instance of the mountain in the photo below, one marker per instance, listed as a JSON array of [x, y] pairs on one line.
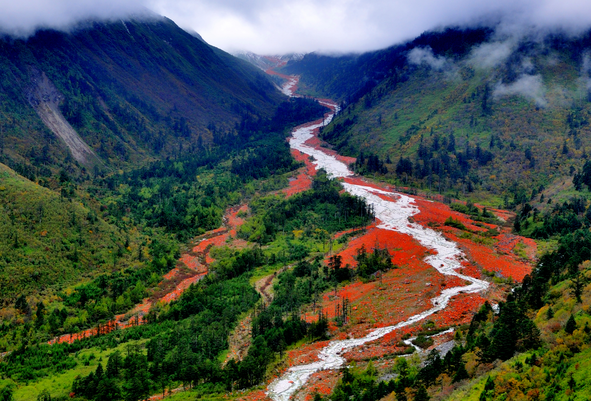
[[266, 62], [130, 144], [463, 112], [116, 94], [347, 77]]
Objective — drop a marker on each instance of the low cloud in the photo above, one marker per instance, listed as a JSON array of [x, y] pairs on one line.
[[586, 71], [284, 26], [529, 86], [23, 18], [425, 56], [490, 55]]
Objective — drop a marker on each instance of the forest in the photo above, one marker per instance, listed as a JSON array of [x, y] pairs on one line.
[[183, 340], [124, 231], [81, 246]]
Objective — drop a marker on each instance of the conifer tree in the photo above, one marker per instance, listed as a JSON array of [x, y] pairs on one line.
[[461, 373], [6, 394], [421, 394], [570, 325]]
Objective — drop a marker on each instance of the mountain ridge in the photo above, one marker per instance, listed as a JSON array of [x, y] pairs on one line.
[[145, 85]]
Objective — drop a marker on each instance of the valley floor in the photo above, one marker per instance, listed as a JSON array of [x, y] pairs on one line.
[[443, 275], [439, 279]]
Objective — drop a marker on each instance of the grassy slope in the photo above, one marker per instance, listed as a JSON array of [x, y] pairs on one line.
[[434, 103], [558, 346], [417, 103], [48, 242], [60, 385]]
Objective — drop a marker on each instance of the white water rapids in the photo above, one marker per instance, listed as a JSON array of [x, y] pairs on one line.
[[393, 215]]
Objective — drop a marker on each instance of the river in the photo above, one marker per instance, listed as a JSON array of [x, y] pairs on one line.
[[392, 215]]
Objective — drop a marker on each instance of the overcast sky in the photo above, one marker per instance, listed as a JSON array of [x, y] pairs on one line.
[[282, 26]]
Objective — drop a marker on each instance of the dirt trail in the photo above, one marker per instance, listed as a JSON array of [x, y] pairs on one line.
[[241, 338], [264, 287]]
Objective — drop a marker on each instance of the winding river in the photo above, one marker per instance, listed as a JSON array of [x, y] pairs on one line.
[[393, 215]]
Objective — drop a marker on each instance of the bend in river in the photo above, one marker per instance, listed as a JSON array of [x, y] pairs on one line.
[[393, 215]]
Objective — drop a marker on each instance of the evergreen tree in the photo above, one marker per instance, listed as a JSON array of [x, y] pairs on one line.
[[40, 315], [461, 373], [114, 365], [6, 394], [99, 372], [421, 393], [572, 383], [577, 284], [22, 305], [108, 390], [44, 396], [570, 325]]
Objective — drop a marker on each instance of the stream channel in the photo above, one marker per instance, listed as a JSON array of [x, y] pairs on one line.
[[392, 215]]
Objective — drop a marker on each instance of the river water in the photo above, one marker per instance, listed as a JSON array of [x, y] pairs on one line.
[[393, 215]]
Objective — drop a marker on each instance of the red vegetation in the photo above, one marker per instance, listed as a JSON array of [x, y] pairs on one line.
[[403, 248], [345, 232], [397, 295], [405, 291], [191, 268], [232, 219], [508, 242], [292, 80], [306, 354], [435, 212], [303, 181], [322, 383], [459, 311], [485, 257], [258, 395], [316, 143], [498, 257]]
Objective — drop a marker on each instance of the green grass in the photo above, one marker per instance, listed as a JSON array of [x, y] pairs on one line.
[[61, 384], [439, 105], [48, 242]]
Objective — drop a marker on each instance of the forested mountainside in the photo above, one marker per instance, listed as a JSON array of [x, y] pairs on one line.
[[121, 142], [127, 227], [160, 237], [463, 112], [112, 95]]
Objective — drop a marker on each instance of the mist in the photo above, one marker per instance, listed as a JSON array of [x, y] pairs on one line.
[[528, 86], [328, 26], [22, 18]]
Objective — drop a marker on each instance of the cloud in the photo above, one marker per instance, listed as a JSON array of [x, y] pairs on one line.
[[529, 86], [586, 71], [489, 55], [21, 18], [283, 26], [425, 56]]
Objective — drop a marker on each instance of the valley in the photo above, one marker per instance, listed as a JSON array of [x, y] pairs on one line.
[[424, 235], [402, 226], [393, 212]]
